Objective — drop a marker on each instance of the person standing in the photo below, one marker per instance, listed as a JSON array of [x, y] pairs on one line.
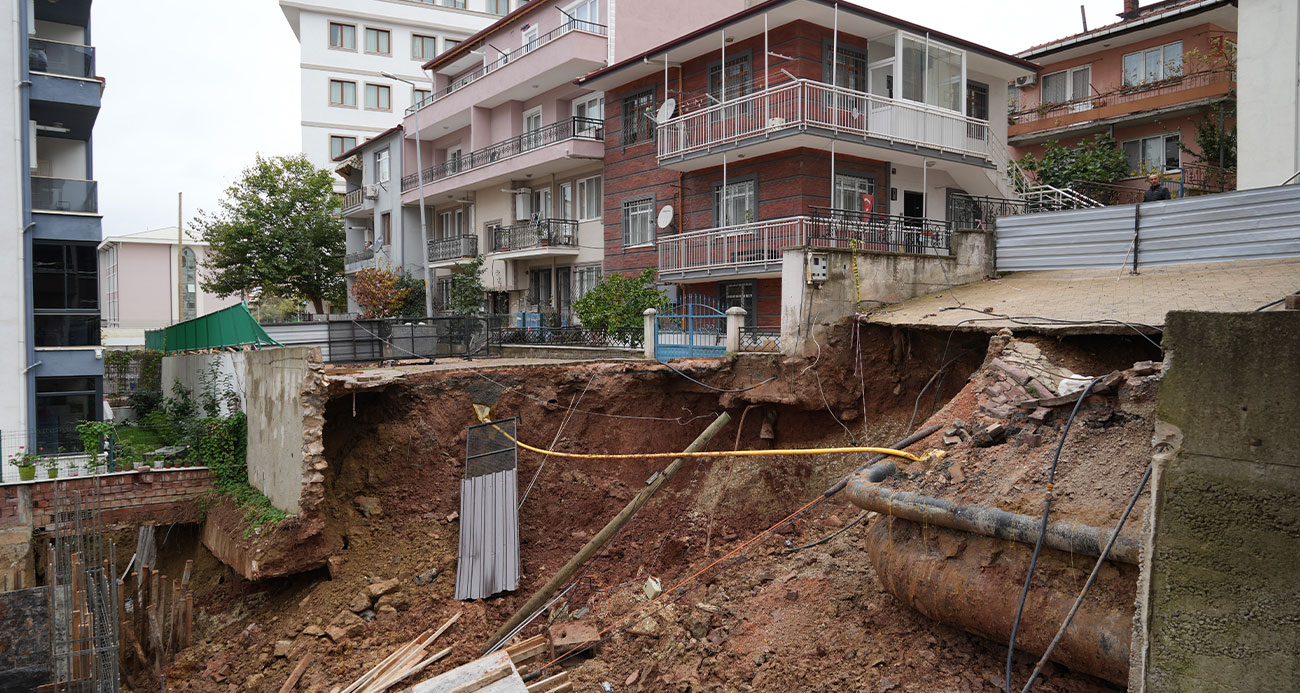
[[1157, 190]]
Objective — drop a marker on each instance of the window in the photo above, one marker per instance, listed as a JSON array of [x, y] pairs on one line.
[[448, 44], [65, 294], [340, 144], [1153, 64], [1069, 86], [638, 221], [189, 284], [343, 36], [453, 161], [343, 93], [731, 86], [420, 96], [381, 166], [541, 203], [62, 403], [539, 287], [458, 4], [639, 117], [739, 294], [449, 223], [498, 6], [586, 279], [1152, 154], [932, 74], [584, 14], [850, 67], [591, 106], [590, 203], [442, 297], [423, 47], [385, 228], [738, 206], [377, 97], [529, 38], [855, 193], [377, 41], [566, 202], [977, 108], [532, 127]]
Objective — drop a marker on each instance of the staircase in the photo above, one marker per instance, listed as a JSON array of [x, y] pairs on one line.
[[1039, 197]]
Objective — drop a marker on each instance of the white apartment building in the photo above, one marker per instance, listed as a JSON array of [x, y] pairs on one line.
[[347, 44]]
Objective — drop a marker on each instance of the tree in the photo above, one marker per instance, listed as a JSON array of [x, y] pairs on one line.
[[1216, 134], [619, 301], [379, 292], [1099, 160], [277, 231], [413, 304], [467, 290]]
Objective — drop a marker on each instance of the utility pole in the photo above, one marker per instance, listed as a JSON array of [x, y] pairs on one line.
[[180, 260]]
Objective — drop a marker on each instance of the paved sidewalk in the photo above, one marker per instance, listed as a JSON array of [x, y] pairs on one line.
[[1095, 296]]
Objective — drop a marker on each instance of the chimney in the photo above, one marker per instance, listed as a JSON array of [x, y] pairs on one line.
[[1130, 9]]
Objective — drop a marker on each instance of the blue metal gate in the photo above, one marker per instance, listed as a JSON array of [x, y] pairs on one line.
[[693, 328]]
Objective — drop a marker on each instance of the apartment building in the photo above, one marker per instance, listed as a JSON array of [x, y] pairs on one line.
[[51, 357], [347, 45], [1269, 94], [511, 149], [1147, 80], [793, 123], [149, 280]]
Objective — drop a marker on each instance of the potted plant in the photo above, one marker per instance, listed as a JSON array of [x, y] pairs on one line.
[[51, 464], [25, 460]]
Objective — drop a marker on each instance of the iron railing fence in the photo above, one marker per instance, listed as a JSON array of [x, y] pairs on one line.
[[465, 246], [358, 256], [741, 245], [1123, 94], [1207, 178], [468, 78], [760, 339], [1106, 193], [617, 338], [565, 129], [867, 231], [388, 339], [538, 233], [59, 58], [977, 213]]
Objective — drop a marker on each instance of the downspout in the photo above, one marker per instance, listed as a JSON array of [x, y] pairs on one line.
[[26, 334], [835, 125]]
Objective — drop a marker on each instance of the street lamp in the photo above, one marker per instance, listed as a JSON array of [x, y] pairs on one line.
[[424, 230]]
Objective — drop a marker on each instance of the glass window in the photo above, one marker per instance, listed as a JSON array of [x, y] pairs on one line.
[[1055, 88], [585, 14], [1068, 85], [855, 193], [420, 96], [377, 97], [340, 144], [423, 47], [385, 228], [1153, 154], [738, 206], [586, 279], [739, 294], [932, 76], [459, 4], [1153, 64], [377, 41], [65, 294], [850, 67], [189, 284], [499, 6], [343, 93], [592, 107], [638, 221], [913, 69], [448, 44], [343, 36], [639, 117], [737, 79], [590, 203], [566, 210], [381, 166], [62, 403]]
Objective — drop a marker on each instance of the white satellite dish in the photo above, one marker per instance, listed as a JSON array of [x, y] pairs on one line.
[[665, 111], [665, 217]]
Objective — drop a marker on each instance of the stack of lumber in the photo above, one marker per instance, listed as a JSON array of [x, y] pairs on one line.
[[499, 672], [403, 663]]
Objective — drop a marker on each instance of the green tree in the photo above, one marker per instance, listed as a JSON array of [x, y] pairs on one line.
[[1217, 129], [467, 290], [413, 304], [1098, 160], [619, 301], [276, 231]]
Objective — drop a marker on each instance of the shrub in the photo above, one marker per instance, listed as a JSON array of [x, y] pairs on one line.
[[619, 301], [145, 402], [1099, 160]]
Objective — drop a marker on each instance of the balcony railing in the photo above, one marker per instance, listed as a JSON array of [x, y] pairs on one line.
[[865, 231], [358, 256], [64, 195], [453, 248], [353, 198], [566, 129], [541, 233], [504, 59], [59, 58], [802, 103], [1125, 94]]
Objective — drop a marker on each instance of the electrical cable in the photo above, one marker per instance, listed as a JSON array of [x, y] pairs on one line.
[[1270, 304], [538, 473], [861, 516], [1042, 529], [718, 389], [1022, 320], [678, 420], [1096, 569]]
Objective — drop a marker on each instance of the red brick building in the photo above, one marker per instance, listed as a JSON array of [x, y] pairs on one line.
[[758, 140]]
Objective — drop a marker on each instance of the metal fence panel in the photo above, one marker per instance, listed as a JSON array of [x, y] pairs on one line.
[[1072, 239], [488, 559]]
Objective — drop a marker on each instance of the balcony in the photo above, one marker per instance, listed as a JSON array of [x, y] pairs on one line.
[[447, 250], [64, 195], [353, 199], [756, 248], [59, 58], [359, 260], [806, 107], [513, 56], [538, 235], [1120, 103], [583, 129]]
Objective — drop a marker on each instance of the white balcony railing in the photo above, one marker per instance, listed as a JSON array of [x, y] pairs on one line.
[[742, 245], [800, 104]]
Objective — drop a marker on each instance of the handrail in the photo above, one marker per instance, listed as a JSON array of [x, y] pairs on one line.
[[456, 247], [537, 233], [1120, 94], [564, 129]]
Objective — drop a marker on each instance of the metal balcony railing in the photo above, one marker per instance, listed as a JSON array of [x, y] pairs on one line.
[[59, 58], [504, 59], [1119, 95], [453, 248], [866, 231], [358, 256], [802, 103], [566, 129], [540, 233], [353, 198], [64, 195]]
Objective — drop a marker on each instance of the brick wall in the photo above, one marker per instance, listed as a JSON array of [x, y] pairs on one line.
[[155, 497]]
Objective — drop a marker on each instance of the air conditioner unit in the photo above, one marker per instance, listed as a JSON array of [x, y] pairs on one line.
[[1026, 80], [372, 192]]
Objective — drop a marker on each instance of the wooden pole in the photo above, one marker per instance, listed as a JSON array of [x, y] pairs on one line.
[[603, 536], [297, 673]]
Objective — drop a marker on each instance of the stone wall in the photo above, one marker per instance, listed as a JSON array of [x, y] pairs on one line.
[[24, 639], [285, 402], [1219, 605]]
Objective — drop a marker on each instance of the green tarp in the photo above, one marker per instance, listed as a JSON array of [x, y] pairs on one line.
[[228, 327]]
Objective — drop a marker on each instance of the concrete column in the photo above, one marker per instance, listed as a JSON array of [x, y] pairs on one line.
[[649, 341], [735, 320]]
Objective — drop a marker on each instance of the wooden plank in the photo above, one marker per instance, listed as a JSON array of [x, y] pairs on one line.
[[387, 661], [529, 649], [398, 677], [292, 681], [549, 683], [493, 672]]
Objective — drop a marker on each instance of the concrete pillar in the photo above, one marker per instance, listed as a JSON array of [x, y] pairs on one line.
[[735, 320], [649, 340]]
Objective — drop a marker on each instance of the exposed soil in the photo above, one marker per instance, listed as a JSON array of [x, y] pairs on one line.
[[812, 620]]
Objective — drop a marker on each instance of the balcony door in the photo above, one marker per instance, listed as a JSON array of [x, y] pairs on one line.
[[532, 128], [880, 83], [855, 195], [729, 82], [738, 205], [740, 294]]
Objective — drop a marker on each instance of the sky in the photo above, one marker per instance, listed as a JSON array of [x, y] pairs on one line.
[[195, 89]]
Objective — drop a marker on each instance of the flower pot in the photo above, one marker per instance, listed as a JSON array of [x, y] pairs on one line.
[[53, 472], [27, 472]]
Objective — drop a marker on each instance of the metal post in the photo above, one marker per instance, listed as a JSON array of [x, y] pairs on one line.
[[419, 173]]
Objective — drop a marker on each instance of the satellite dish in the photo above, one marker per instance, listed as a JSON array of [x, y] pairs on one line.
[[665, 216], [666, 111]]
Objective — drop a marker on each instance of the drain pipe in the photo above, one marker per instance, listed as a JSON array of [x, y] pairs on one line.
[[990, 522]]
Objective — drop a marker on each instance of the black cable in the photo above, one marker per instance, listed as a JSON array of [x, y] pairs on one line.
[[1270, 304], [1042, 529], [1096, 569], [861, 516], [718, 389], [1022, 320]]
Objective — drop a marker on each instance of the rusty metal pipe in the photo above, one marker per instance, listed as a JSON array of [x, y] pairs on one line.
[[990, 522]]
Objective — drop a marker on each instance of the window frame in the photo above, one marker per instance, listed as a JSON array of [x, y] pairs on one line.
[[342, 35], [73, 303], [630, 104], [1144, 81], [494, 7], [189, 283], [1068, 75], [577, 24], [388, 39], [593, 274], [387, 90], [92, 396], [582, 194], [649, 216], [419, 40], [719, 200], [1164, 143], [342, 93], [344, 148], [383, 166]]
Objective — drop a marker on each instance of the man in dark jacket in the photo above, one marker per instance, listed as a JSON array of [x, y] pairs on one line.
[[1157, 191]]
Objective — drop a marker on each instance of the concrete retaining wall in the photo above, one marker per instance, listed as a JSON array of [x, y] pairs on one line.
[[191, 369], [285, 403]]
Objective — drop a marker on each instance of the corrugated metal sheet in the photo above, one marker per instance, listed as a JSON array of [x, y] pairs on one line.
[[489, 512], [1244, 225], [229, 327]]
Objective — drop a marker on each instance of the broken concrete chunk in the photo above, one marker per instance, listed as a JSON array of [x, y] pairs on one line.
[[427, 577], [1017, 374], [955, 474], [990, 436], [453, 517], [951, 440], [653, 588], [313, 631], [379, 589], [1144, 368], [282, 648], [368, 505], [997, 411], [360, 602], [570, 635], [1040, 415], [647, 626]]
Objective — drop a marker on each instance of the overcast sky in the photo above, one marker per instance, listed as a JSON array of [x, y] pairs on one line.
[[195, 89]]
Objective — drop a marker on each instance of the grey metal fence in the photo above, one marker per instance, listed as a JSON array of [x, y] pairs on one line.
[[1243, 225]]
